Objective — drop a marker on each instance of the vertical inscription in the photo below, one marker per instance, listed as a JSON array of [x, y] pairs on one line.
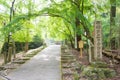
[[97, 40]]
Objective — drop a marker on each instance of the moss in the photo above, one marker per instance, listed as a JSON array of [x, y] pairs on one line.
[[76, 76], [99, 64], [109, 73], [97, 73]]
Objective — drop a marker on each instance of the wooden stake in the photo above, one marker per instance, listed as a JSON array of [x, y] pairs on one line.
[[81, 55]]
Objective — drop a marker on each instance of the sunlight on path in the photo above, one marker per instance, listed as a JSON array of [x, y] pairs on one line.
[[43, 66]]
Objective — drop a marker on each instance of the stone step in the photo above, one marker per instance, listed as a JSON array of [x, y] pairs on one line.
[[19, 62], [67, 61], [29, 55], [25, 58], [67, 55], [2, 68], [67, 58]]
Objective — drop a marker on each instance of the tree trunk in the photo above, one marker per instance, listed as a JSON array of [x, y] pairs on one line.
[[112, 19], [77, 35], [71, 41], [14, 49], [26, 46], [9, 54], [5, 57], [119, 43], [9, 49]]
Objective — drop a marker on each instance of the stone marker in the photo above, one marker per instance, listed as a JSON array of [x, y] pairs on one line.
[[97, 40]]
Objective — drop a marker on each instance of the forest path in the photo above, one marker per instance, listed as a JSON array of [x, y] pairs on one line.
[[43, 66]]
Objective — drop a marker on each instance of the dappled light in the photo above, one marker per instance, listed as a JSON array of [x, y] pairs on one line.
[[43, 56], [60, 39]]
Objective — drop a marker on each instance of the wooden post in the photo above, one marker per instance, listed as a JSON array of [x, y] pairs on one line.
[[81, 43], [81, 53]]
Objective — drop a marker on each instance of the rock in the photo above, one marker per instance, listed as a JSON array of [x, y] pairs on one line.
[[2, 68], [25, 58], [19, 62], [93, 73]]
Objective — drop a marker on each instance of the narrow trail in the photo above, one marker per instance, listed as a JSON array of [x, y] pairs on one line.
[[43, 66]]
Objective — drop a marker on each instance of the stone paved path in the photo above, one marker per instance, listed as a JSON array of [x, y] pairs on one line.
[[44, 66]]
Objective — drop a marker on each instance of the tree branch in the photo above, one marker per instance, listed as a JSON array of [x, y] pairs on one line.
[[11, 10], [57, 15]]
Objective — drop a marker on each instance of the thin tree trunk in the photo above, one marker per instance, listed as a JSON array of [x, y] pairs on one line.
[[5, 57], [9, 35], [10, 54], [14, 49], [112, 20], [77, 28], [119, 42], [71, 41], [26, 46]]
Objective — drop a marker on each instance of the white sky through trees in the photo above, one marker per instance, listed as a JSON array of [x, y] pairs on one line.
[[40, 4]]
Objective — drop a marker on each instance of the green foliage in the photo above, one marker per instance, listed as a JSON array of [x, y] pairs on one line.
[[61, 23], [99, 64], [22, 36], [37, 38], [76, 76]]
